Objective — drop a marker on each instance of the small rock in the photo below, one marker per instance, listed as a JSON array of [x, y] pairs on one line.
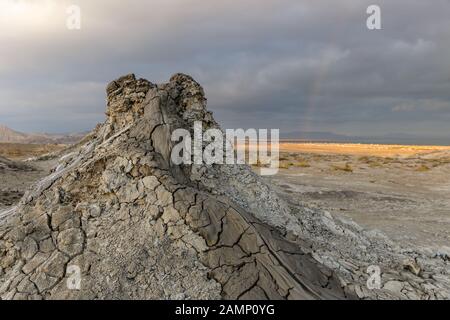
[[95, 211], [411, 265]]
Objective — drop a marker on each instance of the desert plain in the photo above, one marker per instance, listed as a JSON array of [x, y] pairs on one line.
[[402, 191]]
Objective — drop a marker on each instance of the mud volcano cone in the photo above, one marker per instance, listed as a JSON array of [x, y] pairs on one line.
[[139, 227]]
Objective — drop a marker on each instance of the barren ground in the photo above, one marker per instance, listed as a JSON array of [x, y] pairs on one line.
[[19, 175], [401, 190]]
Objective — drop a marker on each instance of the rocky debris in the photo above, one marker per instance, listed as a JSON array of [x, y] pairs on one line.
[[138, 227]]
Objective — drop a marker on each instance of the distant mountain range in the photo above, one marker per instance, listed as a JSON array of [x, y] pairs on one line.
[[389, 138], [12, 136]]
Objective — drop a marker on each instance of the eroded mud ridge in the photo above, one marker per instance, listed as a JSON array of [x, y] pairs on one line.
[[139, 227]]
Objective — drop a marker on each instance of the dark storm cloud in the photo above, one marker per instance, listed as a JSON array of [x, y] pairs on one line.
[[297, 65]]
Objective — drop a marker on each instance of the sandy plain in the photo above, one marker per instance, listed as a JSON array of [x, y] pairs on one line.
[[403, 191]]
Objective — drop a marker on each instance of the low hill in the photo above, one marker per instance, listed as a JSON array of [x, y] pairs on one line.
[[12, 136], [9, 135]]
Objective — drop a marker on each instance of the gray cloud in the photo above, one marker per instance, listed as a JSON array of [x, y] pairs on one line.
[[296, 65]]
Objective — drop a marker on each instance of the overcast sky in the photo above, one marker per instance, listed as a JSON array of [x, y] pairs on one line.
[[292, 64]]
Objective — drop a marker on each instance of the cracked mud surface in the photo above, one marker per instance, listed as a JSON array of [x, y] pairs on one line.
[[139, 227]]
